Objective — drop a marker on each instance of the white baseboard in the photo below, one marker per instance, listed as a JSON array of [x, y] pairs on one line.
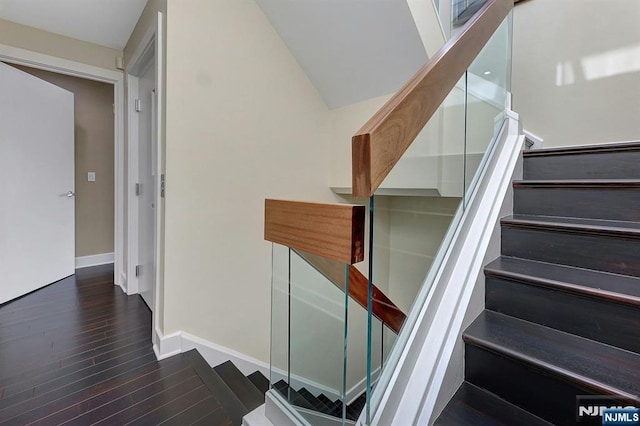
[[216, 354], [123, 282], [94, 260], [167, 346], [180, 341]]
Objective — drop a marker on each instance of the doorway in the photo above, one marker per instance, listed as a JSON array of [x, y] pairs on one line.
[[17, 56], [36, 181], [146, 191], [93, 156], [145, 176]]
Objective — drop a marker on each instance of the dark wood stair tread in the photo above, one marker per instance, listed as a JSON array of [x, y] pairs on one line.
[[579, 183], [260, 381], [570, 224], [584, 149], [243, 389], [292, 395], [232, 405], [313, 400], [616, 287], [472, 406], [594, 365], [322, 397]]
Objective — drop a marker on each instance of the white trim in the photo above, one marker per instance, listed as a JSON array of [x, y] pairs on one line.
[[42, 61], [62, 66], [214, 354], [411, 388], [132, 179], [159, 237], [167, 346], [119, 184], [149, 48], [123, 282], [256, 417], [533, 141], [94, 260]]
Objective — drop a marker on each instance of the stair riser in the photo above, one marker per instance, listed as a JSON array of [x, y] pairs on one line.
[[584, 166], [600, 252], [594, 203], [597, 319], [542, 393]]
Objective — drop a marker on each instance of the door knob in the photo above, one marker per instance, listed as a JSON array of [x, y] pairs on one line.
[[71, 194]]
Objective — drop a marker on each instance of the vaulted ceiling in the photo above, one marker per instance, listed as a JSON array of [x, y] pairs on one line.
[[351, 49]]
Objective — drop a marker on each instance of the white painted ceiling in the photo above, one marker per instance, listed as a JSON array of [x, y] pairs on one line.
[[104, 22], [351, 50]]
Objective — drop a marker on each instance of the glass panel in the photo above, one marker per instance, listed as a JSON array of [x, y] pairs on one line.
[[317, 337], [309, 332], [388, 340], [462, 11], [488, 84], [414, 208], [279, 315], [357, 357], [419, 205]]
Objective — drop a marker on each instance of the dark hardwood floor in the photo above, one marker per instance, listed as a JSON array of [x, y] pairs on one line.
[[79, 352]]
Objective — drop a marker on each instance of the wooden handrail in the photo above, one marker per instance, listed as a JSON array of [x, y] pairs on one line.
[[335, 231], [382, 141], [382, 307]]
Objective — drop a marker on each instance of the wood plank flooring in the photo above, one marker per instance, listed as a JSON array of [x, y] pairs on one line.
[[78, 352]]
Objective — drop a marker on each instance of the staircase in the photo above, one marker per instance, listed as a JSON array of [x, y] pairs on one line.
[[237, 393], [321, 403], [562, 314]]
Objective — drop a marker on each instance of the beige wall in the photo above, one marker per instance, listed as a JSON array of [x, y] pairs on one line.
[[576, 70], [24, 37], [94, 152], [243, 123], [344, 122]]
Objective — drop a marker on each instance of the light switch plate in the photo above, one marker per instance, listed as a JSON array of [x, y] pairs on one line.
[[91, 176]]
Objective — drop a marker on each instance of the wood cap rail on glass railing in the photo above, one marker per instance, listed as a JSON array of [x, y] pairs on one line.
[[382, 141], [382, 307], [335, 231]]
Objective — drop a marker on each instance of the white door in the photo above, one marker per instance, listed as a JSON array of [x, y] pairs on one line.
[[37, 234], [147, 175]]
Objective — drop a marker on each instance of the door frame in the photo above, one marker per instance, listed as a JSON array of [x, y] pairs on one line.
[[33, 59], [149, 48], [151, 44]]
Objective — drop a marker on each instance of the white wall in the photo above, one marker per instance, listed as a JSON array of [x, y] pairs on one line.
[[576, 70]]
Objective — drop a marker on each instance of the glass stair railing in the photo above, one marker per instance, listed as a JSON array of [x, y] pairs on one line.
[[338, 331], [430, 145], [319, 311]]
